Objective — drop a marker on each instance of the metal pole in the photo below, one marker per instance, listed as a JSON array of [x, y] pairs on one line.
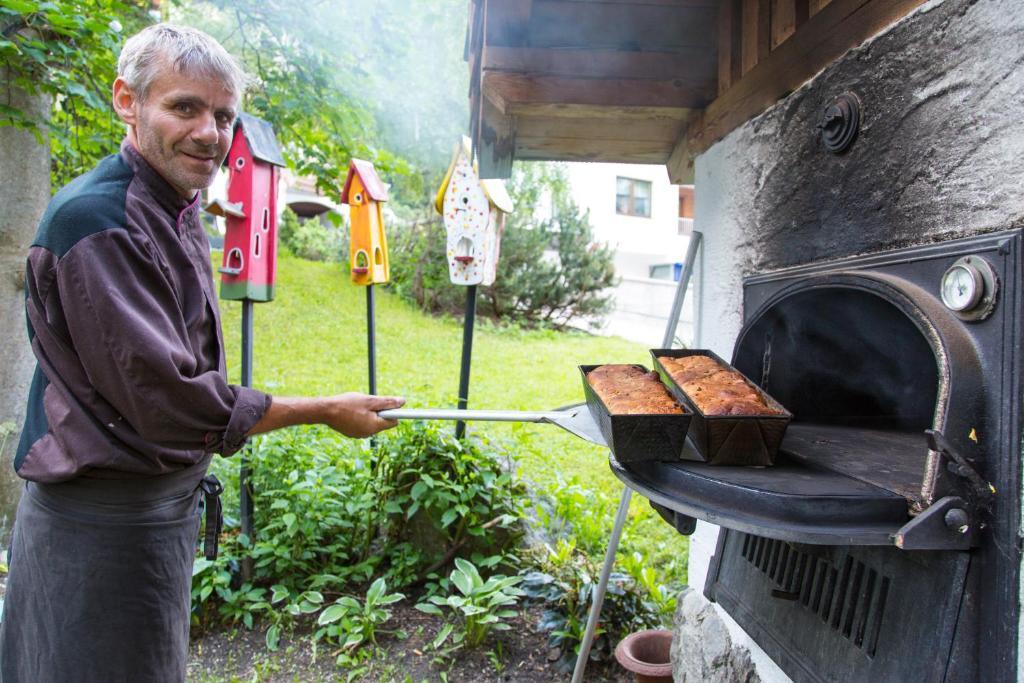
[[684, 282], [627, 493], [467, 356], [244, 486], [371, 347], [602, 585], [371, 338]]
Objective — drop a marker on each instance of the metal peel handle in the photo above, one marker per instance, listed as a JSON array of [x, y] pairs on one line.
[[467, 415]]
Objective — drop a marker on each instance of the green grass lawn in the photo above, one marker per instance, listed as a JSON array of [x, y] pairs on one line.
[[312, 340]]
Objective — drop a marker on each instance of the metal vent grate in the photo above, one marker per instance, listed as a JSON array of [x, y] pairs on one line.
[[850, 598]]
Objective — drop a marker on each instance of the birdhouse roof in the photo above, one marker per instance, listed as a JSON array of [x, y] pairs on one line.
[[260, 136], [368, 176], [494, 189]]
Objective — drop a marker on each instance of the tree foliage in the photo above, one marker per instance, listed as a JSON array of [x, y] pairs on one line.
[[550, 272], [67, 49]]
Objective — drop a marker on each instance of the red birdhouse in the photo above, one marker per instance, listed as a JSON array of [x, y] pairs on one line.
[[250, 244]]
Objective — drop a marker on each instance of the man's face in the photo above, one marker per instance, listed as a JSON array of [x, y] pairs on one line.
[[183, 128]]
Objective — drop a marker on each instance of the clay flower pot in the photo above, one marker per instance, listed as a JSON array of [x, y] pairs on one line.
[[646, 654]]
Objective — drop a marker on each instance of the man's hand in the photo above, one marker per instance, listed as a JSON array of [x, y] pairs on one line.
[[355, 415], [351, 414]]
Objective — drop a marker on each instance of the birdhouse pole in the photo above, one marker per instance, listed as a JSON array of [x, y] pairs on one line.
[[248, 271], [468, 322], [371, 339]]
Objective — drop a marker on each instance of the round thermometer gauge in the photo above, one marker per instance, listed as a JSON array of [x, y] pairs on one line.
[[962, 287], [969, 288]]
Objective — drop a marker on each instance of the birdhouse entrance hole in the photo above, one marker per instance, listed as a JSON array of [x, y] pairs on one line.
[[233, 262], [464, 250], [256, 245], [361, 263], [266, 220]]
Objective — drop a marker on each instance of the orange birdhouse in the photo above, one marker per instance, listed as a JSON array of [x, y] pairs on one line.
[[368, 247]]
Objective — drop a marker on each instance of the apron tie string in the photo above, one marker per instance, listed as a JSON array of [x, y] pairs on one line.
[[212, 489]]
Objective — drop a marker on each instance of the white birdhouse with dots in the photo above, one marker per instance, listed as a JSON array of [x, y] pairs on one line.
[[474, 217]]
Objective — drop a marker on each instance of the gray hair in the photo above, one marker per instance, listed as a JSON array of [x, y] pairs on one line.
[[187, 49]]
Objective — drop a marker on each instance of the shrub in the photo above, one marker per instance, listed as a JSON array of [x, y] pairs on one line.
[[310, 239], [331, 514]]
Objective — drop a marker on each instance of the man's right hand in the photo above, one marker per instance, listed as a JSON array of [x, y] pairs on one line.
[[351, 414], [355, 415]]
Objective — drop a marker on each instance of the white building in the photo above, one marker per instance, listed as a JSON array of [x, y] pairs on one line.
[[636, 210]]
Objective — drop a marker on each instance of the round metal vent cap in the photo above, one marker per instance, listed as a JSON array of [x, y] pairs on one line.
[[840, 122]]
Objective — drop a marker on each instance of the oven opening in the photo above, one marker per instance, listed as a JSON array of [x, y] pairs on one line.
[[859, 377]]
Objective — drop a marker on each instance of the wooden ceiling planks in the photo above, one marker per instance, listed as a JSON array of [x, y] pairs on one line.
[[644, 81]]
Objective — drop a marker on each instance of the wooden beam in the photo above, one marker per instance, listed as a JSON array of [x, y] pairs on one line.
[[603, 64], [680, 162], [508, 21], [518, 88], [841, 25], [728, 44], [783, 20], [620, 25], [497, 139], [816, 6], [608, 151], [664, 131], [592, 112], [756, 21]]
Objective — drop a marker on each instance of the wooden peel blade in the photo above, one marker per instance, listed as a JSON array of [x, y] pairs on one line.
[[575, 419]]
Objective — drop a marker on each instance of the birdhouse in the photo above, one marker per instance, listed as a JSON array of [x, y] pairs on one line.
[[474, 217], [250, 243], [364, 192]]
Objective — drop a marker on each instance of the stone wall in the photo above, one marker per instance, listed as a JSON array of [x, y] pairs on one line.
[[940, 154]]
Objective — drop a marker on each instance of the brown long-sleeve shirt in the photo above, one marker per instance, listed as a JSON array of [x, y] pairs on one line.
[[125, 326]]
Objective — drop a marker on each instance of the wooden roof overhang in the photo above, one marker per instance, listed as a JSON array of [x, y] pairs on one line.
[[644, 81]]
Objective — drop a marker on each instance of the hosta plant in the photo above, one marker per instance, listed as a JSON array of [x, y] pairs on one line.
[[478, 607]]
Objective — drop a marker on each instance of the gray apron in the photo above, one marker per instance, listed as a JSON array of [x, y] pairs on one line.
[[100, 580]]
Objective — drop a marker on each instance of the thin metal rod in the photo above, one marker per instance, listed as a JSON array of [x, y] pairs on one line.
[[467, 356], [371, 338], [468, 415], [627, 493], [602, 586], [244, 485], [684, 282]]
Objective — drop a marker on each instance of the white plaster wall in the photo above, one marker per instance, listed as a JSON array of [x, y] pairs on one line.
[[639, 242], [720, 207]]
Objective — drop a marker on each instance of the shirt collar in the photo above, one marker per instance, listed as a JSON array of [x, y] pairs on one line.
[[161, 190]]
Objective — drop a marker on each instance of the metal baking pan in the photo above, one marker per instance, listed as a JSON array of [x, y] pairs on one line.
[[638, 438], [728, 439]]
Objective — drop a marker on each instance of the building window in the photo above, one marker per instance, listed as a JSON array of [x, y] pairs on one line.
[[633, 197]]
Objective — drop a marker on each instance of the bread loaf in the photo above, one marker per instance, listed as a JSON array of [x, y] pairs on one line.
[[715, 389], [630, 390]]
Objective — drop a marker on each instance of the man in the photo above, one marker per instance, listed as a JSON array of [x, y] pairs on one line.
[[130, 398]]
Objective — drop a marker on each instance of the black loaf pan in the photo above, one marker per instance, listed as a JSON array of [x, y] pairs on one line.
[[728, 439], [638, 438]]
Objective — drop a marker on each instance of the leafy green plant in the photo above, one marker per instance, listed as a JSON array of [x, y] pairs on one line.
[[479, 607], [351, 623], [564, 587]]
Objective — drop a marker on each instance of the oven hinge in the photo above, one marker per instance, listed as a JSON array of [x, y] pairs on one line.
[[950, 523]]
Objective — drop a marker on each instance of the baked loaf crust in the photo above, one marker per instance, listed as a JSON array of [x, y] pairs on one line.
[[715, 389], [630, 390]]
